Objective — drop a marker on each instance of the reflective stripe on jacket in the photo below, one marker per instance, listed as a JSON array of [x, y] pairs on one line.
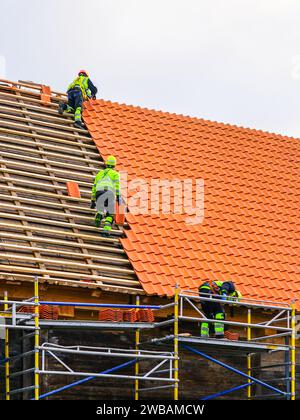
[[82, 83], [106, 179]]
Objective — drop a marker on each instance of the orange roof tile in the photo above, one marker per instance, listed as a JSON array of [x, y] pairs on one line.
[[250, 231]]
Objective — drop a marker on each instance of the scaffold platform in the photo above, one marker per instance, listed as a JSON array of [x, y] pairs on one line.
[[213, 345]]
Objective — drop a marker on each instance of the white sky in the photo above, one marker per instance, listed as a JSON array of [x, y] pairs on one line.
[[235, 61]]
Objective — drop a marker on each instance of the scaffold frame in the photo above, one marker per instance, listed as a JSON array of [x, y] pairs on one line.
[[282, 319], [18, 321], [286, 315]]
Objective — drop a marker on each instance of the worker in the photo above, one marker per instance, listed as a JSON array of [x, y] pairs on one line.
[[80, 90], [225, 290], [105, 191]]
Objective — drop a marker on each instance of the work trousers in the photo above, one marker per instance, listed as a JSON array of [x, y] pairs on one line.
[[212, 310], [75, 100], [106, 205]]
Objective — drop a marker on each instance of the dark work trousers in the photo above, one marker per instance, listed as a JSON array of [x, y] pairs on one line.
[[210, 309], [106, 202], [75, 98]]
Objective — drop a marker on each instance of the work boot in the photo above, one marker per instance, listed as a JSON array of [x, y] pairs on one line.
[[62, 107], [104, 234], [79, 124], [108, 225], [98, 219], [107, 229]]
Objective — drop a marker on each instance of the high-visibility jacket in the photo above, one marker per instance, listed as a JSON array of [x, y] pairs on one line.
[[81, 82], [219, 287], [106, 179]]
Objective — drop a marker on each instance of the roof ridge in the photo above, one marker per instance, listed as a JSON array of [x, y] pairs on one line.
[[185, 117], [167, 113]]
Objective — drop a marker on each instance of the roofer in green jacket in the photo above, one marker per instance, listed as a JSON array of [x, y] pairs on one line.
[[80, 90], [224, 290], [105, 192]]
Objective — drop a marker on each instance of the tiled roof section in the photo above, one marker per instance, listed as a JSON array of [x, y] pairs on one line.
[[250, 232]]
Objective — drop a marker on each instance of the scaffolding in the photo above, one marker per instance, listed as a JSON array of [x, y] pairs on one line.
[[14, 320], [161, 371], [167, 349], [282, 321]]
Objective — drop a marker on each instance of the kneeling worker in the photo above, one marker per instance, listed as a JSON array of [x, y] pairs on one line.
[[105, 191], [214, 310]]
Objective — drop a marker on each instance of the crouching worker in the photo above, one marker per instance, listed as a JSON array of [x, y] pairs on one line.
[[215, 310], [80, 90], [105, 192]]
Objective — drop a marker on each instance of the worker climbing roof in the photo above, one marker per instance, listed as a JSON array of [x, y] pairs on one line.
[[80, 90], [105, 192]]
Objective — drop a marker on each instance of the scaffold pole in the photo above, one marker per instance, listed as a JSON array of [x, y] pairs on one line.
[[293, 352], [137, 366], [36, 339], [249, 388], [6, 354], [176, 350]]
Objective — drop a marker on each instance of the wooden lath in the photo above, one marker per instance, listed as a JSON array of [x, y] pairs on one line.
[[43, 113], [48, 146], [44, 231], [32, 86]]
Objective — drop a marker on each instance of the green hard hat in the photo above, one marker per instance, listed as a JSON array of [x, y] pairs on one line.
[[111, 161]]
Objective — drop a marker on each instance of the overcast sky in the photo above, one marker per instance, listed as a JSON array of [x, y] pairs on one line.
[[235, 61]]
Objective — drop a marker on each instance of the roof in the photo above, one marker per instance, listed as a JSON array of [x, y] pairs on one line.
[[250, 231], [45, 229]]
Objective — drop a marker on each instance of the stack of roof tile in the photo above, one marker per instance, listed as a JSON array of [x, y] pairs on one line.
[[28, 309], [130, 315], [45, 311], [231, 335], [251, 228], [145, 315], [48, 312], [110, 315]]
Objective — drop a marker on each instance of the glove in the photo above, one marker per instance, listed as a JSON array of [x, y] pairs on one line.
[[93, 204], [94, 97]]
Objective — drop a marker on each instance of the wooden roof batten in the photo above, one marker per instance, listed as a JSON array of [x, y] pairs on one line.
[[43, 231]]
